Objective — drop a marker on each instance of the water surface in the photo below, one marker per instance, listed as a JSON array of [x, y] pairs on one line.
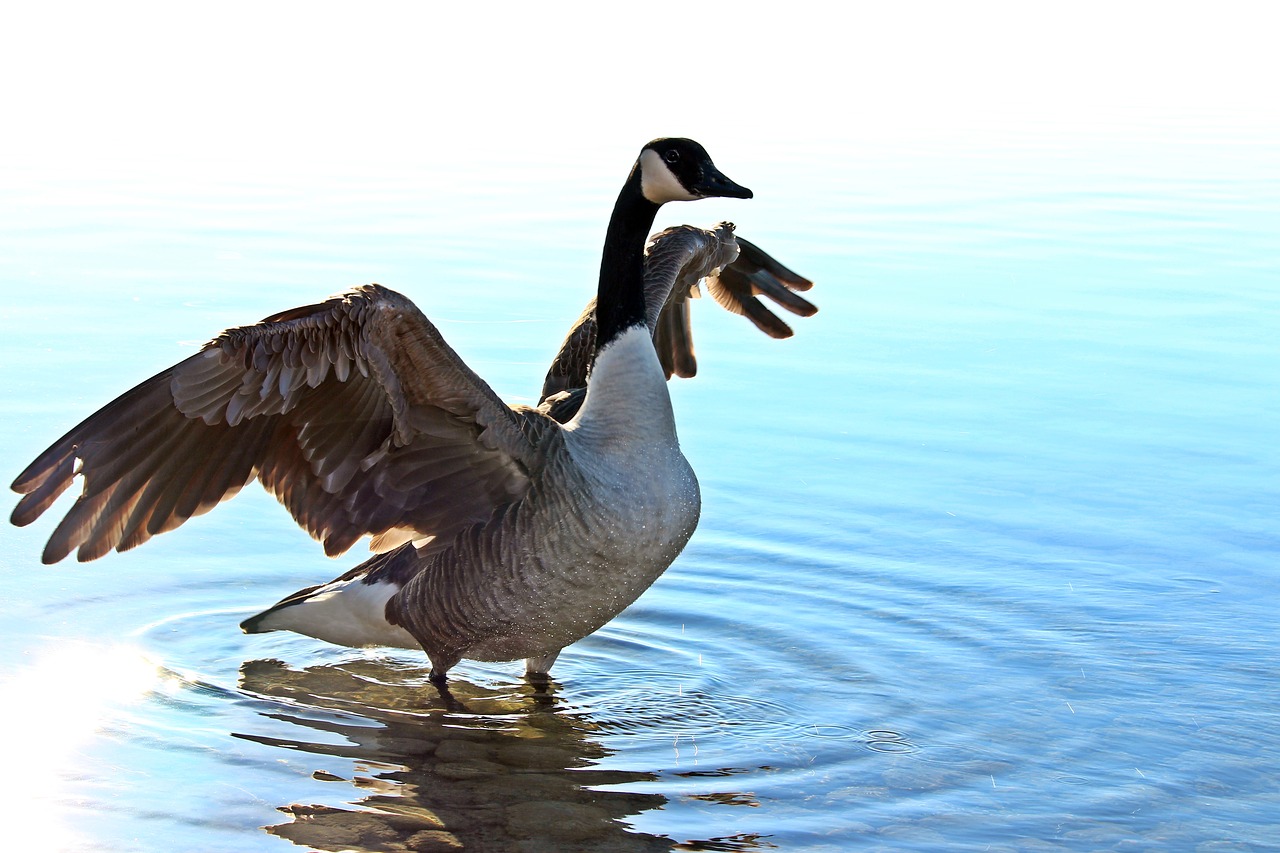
[[987, 558]]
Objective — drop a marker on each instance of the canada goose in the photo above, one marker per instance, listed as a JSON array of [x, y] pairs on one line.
[[505, 534]]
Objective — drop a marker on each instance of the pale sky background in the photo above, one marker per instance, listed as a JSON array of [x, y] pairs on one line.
[[268, 86]]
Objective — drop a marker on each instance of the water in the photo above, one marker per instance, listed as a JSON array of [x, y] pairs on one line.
[[987, 557]]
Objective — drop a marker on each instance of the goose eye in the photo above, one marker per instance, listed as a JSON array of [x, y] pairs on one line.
[[672, 156]]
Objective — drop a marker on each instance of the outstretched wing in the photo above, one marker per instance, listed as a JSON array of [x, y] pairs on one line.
[[676, 260], [756, 273], [354, 413]]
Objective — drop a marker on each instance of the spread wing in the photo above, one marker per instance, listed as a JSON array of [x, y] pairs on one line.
[[756, 273], [676, 260], [354, 413]]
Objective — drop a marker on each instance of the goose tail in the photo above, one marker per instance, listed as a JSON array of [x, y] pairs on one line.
[[348, 611]]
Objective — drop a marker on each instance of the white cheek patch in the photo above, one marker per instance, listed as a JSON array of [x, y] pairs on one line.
[[657, 182]]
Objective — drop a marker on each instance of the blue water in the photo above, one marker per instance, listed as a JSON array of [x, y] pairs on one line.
[[988, 551]]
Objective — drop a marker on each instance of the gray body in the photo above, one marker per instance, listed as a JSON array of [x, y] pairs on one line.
[[614, 505]]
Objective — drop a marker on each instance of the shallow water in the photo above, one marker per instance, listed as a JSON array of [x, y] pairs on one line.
[[987, 558]]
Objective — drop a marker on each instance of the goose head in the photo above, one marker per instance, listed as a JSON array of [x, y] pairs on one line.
[[673, 169]]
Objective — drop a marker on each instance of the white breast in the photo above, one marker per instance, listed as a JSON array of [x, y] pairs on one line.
[[627, 403], [623, 441]]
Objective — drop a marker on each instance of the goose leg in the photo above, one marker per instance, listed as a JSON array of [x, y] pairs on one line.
[[441, 663], [539, 668]]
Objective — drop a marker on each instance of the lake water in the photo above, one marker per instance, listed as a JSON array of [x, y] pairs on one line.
[[988, 556]]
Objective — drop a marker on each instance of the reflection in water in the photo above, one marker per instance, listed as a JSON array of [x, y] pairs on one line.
[[477, 769]]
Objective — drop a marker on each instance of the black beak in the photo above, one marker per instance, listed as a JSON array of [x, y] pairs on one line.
[[714, 183]]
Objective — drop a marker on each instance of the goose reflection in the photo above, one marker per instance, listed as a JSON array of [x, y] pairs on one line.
[[475, 768]]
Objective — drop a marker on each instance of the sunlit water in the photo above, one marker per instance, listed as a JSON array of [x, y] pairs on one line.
[[987, 558]]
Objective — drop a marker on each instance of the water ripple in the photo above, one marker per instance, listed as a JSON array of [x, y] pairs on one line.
[[891, 742]]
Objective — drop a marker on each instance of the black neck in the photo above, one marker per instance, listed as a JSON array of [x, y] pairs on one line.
[[620, 299]]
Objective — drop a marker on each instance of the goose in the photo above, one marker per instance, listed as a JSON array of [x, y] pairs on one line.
[[502, 532]]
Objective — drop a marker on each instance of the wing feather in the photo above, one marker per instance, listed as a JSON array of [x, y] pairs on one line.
[[756, 273], [353, 412], [676, 260], [674, 339]]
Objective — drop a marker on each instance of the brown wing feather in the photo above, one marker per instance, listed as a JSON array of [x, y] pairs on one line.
[[570, 366], [354, 412], [756, 273], [675, 261], [673, 338]]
